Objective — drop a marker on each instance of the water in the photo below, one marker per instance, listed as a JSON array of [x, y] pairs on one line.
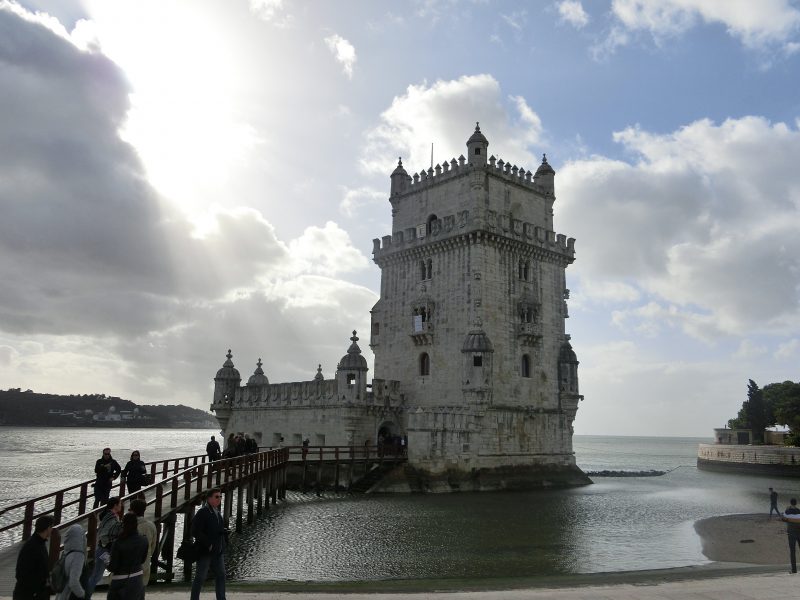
[[619, 523]]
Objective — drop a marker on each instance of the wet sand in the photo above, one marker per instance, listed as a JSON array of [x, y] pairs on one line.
[[754, 539]]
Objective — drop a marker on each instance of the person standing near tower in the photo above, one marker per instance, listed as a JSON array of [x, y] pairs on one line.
[[209, 531], [792, 517], [107, 470], [32, 563], [212, 449], [773, 503]]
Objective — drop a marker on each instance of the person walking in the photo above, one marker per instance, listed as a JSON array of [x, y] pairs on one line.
[[108, 531], [135, 473], [127, 555], [32, 563], [147, 529], [107, 470], [773, 503], [212, 449], [792, 517], [74, 561], [208, 530]]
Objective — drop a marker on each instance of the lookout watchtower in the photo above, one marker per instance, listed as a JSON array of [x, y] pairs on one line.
[[471, 322]]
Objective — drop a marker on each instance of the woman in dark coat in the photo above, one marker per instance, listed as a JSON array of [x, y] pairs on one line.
[[135, 473], [127, 555]]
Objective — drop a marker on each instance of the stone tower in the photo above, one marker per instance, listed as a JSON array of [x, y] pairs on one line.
[[471, 323]]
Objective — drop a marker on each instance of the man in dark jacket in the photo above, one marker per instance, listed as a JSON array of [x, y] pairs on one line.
[[792, 517], [33, 565], [209, 531], [212, 449], [107, 470]]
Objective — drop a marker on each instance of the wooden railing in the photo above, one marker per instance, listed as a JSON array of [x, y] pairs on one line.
[[17, 520]]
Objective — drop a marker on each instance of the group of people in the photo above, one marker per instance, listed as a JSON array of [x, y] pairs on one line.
[[125, 544], [792, 518], [238, 444], [107, 469]]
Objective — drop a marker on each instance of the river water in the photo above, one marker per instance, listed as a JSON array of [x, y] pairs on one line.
[[618, 523]]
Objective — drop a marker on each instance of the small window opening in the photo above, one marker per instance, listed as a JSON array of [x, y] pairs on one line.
[[429, 269], [351, 379], [526, 365], [424, 364], [376, 328], [477, 361], [477, 151]]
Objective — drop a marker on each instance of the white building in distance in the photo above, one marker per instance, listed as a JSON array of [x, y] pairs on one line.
[[472, 362]]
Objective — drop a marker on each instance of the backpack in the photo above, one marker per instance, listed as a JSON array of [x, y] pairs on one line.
[[59, 576]]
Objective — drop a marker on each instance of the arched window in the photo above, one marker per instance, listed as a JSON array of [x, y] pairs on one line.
[[424, 364], [429, 223], [429, 269], [525, 369]]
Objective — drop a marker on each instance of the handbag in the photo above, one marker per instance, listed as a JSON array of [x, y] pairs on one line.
[[187, 552]]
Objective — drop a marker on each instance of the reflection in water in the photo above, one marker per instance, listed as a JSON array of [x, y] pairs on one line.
[[454, 535]]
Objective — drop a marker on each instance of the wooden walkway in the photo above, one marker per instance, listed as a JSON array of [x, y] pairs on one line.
[[249, 483]]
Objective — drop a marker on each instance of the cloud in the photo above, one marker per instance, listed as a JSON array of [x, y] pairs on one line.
[[572, 12], [270, 11], [756, 24], [614, 372], [359, 198], [788, 350], [106, 288], [704, 219], [343, 51], [437, 113]]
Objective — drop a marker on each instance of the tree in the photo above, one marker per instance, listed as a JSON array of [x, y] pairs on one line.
[[755, 413], [784, 398]]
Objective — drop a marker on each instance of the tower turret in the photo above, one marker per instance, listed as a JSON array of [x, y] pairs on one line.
[[545, 176], [400, 179], [351, 374], [258, 378], [477, 147]]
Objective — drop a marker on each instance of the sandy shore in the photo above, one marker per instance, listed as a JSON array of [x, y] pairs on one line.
[[754, 539]]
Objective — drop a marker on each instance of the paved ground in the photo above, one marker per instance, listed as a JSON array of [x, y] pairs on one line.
[[711, 582]]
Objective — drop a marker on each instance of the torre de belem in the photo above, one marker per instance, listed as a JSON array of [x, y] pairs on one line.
[[473, 366]]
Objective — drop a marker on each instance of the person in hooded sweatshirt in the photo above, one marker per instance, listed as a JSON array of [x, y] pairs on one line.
[[74, 560], [135, 472]]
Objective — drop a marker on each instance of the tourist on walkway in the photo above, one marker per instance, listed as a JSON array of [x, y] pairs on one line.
[[74, 561], [792, 530], [32, 563], [773, 503], [148, 530], [108, 531], [127, 556], [212, 449], [107, 470], [135, 473], [209, 532]]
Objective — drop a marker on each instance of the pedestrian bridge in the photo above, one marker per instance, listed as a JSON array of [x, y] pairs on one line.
[[249, 484]]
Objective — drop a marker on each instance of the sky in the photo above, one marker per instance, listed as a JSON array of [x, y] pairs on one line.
[[178, 178]]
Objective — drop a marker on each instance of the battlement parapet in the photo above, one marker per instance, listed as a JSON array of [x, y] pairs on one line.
[[494, 222], [385, 393], [447, 171]]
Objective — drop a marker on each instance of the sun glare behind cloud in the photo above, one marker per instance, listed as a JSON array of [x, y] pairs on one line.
[[183, 119]]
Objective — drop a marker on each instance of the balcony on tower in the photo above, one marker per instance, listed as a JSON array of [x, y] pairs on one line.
[[421, 323]]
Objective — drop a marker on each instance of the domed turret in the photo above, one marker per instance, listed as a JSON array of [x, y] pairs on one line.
[[399, 178], [567, 370], [226, 383], [258, 377], [228, 371], [477, 146], [477, 341], [351, 374], [353, 358], [319, 376], [545, 175]]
